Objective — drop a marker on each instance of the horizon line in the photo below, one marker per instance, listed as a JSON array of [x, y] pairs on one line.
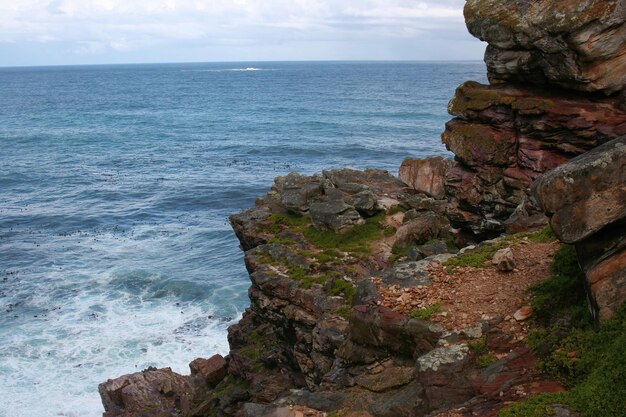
[[242, 61]]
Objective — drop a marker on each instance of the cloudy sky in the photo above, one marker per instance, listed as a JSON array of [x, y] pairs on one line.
[[51, 32]]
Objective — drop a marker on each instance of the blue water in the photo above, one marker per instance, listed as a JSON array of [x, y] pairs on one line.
[[115, 187]]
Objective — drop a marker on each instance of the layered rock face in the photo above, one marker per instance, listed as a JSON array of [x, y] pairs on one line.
[[533, 117], [586, 201], [578, 45]]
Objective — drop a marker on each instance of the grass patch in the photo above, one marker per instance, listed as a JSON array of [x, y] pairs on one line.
[[590, 363], [478, 257], [545, 235], [340, 286], [398, 252], [537, 406], [479, 347], [389, 231], [355, 240], [344, 312], [426, 313], [484, 360]]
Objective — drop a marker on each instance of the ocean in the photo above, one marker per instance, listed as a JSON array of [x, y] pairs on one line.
[[115, 187]]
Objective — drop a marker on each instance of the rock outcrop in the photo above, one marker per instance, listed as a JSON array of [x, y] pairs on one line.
[[579, 45], [533, 118], [586, 202]]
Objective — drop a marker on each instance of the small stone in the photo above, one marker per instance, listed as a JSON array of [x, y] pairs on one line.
[[504, 260], [523, 313]]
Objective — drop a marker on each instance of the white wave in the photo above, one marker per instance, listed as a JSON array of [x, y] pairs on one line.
[[226, 69]]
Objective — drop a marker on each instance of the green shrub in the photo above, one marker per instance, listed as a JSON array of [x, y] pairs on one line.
[[537, 406], [590, 362], [426, 312], [484, 360]]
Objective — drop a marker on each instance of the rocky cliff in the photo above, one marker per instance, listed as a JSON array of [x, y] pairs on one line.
[[558, 71], [361, 302]]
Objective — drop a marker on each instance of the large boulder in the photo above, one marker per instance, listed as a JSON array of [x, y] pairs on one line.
[[336, 216], [211, 370], [587, 193], [426, 175], [150, 393], [586, 202], [579, 45]]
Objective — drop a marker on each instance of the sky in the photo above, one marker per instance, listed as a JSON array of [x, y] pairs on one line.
[[65, 32]]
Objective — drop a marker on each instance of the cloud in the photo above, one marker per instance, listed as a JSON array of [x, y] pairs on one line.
[[96, 26]]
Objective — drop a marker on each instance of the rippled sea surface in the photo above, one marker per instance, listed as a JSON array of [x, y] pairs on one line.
[[115, 187]]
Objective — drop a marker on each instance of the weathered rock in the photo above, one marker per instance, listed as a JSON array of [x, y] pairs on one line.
[[380, 327], [246, 227], [150, 393], [587, 193], [504, 260], [407, 274], [419, 230], [405, 402], [426, 175], [523, 313], [603, 259], [436, 247], [211, 370], [386, 380], [353, 181], [504, 138], [364, 202], [442, 373], [578, 45], [297, 191], [336, 216]]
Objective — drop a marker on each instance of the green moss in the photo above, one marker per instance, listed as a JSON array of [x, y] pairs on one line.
[[395, 210], [426, 312], [229, 383], [537, 406], [356, 240]]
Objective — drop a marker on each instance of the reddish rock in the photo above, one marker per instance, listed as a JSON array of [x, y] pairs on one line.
[[426, 175], [419, 230], [212, 370], [505, 137], [523, 313], [150, 393]]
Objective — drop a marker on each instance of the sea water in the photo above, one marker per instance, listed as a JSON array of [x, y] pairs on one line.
[[115, 187]]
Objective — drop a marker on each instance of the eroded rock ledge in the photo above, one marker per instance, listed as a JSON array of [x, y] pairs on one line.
[[345, 315]]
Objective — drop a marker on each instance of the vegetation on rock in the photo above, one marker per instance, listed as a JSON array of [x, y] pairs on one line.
[[589, 362]]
